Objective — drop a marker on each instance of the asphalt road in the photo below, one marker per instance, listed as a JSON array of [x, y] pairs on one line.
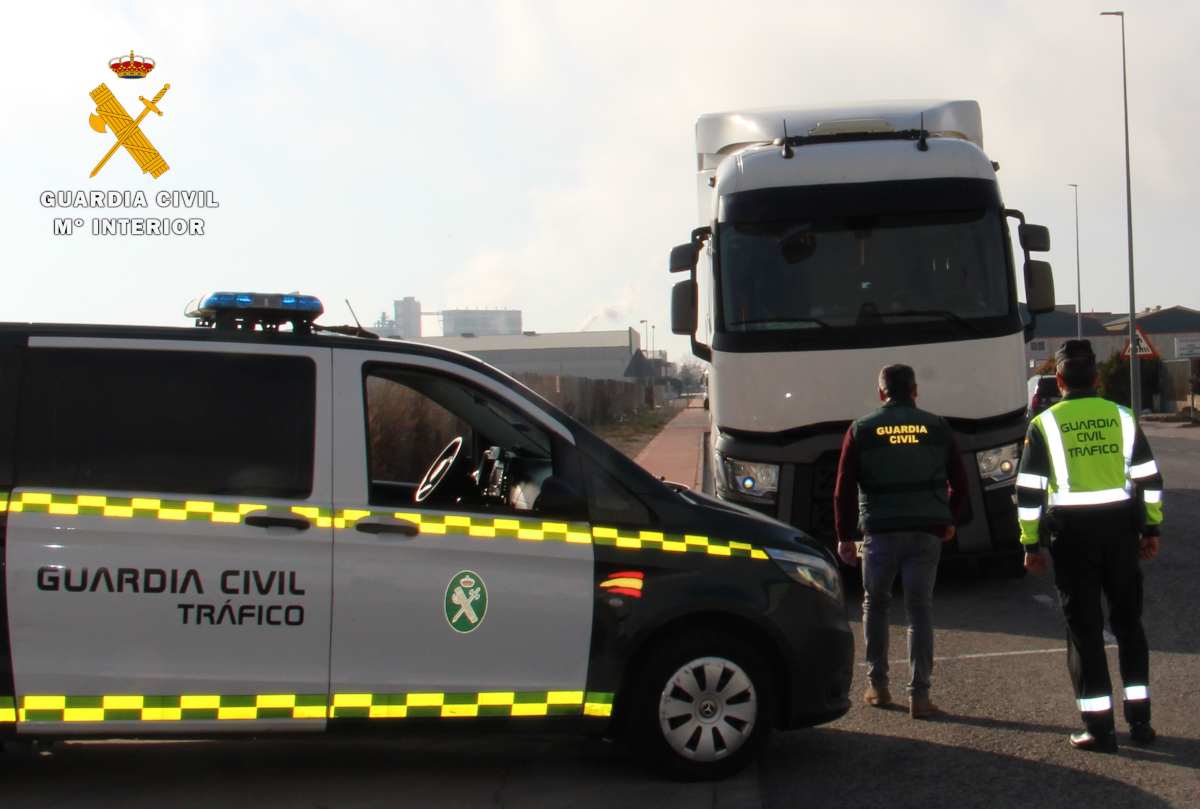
[[1001, 677]]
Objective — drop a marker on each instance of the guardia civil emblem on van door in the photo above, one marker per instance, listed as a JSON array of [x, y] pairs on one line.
[[466, 601]]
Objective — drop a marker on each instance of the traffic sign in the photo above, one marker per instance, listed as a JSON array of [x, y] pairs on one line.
[[1145, 349], [1187, 347]]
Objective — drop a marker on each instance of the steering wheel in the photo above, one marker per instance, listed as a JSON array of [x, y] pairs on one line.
[[439, 470]]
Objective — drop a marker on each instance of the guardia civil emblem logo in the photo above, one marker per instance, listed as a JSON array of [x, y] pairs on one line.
[[111, 116], [466, 601]]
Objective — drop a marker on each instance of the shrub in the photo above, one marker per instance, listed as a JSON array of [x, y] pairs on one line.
[[1114, 378]]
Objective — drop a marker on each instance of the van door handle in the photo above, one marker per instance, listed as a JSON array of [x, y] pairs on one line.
[[277, 518], [387, 525]]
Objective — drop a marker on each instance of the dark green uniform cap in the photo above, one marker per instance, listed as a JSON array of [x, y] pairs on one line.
[[1075, 350]]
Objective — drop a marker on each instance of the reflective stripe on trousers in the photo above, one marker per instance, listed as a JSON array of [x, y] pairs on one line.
[[1095, 704], [1136, 692]]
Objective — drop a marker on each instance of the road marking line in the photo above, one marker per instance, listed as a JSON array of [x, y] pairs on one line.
[[982, 655]]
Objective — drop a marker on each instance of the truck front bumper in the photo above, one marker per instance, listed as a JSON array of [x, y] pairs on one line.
[[808, 475]]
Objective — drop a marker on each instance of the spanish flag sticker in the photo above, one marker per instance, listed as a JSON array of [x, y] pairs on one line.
[[624, 583]]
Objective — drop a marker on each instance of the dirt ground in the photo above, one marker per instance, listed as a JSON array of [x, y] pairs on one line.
[[632, 436]]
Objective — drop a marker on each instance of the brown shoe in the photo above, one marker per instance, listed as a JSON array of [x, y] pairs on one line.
[[922, 708], [877, 696]]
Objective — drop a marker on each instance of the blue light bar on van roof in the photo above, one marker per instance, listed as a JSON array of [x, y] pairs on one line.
[[287, 306]]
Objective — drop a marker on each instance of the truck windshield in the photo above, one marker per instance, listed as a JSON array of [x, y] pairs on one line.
[[860, 264], [813, 273]]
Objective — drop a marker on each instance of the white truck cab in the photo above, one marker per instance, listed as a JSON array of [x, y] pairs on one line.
[[833, 242], [264, 526]]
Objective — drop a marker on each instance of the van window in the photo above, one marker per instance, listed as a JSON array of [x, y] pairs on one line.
[[505, 464], [406, 430], [609, 501], [168, 421]]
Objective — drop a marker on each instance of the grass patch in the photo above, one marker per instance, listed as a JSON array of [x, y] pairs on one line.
[[632, 435]]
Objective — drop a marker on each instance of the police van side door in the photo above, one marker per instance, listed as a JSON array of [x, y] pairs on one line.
[[449, 610], [168, 569]]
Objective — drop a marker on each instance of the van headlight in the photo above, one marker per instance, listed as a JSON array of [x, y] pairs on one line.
[[810, 570], [999, 464], [746, 479]]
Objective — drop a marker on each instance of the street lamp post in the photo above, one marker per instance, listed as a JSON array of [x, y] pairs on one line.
[[645, 331], [1078, 284], [1135, 377]]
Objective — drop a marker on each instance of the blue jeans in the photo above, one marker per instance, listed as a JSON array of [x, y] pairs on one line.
[[914, 556]]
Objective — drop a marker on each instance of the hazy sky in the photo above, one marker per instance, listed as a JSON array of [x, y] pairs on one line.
[[539, 155]]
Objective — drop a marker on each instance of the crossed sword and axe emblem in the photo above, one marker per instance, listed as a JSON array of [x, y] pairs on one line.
[[464, 596], [109, 113]]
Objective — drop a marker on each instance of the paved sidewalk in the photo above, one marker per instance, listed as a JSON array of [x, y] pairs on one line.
[[674, 453], [1170, 429]]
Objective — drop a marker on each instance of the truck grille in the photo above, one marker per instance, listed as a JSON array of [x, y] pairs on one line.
[[818, 492]]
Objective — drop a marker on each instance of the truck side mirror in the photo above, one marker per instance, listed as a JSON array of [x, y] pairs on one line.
[[683, 305], [684, 258], [1039, 286], [1034, 238]]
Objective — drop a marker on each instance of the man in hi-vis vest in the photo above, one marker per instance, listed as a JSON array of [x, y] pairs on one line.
[[1087, 462]]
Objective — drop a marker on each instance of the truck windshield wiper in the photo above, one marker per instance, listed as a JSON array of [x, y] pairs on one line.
[[945, 314], [781, 321]]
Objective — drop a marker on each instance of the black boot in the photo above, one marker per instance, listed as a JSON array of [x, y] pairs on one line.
[[1137, 714], [1095, 742], [1099, 735], [1141, 733]]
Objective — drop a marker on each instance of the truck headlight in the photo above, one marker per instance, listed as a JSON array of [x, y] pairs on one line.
[[998, 464], [747, 479], [810, 570]]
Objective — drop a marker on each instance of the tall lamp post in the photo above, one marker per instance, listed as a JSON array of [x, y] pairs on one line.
[[1135, 377], [645, 332], [1078, 284]]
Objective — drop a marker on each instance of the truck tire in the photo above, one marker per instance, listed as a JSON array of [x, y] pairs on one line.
[[702, 706]]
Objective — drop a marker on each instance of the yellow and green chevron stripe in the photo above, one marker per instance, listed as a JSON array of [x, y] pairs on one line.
[[484, 528], [222, 707], [470, 705], [152, 508]]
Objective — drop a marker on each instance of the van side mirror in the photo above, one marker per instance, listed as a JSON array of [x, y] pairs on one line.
[[683, 306], [1039, 287], [684, 258], [1034, 238]]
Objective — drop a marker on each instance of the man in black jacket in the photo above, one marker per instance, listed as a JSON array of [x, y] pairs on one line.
[[901, 485]]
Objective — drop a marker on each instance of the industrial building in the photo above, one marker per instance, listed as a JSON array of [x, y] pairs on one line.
[[587, 354], [480, 322], [1166, 329], [406, 321]]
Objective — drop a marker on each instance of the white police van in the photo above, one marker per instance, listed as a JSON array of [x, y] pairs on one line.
[[264, 525]]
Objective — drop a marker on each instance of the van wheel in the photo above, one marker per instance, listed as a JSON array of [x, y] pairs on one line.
[[702, 706]]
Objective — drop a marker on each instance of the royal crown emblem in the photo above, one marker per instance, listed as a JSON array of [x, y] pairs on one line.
[[131, 66]]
